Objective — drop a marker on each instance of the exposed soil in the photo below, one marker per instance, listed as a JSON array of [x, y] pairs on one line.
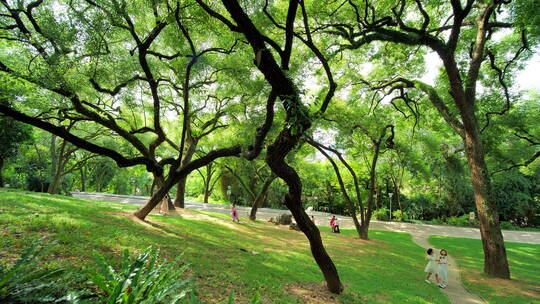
[[312, 293]]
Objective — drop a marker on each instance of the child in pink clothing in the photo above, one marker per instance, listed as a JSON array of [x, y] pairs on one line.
[[234, 214]]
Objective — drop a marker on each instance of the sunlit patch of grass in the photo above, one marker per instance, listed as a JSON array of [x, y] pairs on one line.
[[246, 257]]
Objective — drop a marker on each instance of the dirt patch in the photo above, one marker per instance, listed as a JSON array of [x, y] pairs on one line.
[[312, 293]]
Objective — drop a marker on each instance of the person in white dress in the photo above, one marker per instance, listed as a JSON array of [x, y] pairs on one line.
[[443, 268], [432, 266]]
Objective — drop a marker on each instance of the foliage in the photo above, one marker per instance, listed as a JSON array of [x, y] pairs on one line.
[[143, 280], [381, 214], [24, 281], [462, 221], [397, 216], [514, 195], [12, 134]]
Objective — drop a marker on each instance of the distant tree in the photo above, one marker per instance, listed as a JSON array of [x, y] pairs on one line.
[[12, 135]]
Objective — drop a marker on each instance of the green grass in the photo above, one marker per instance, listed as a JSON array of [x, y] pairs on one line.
[[386, 269], [524, 260]]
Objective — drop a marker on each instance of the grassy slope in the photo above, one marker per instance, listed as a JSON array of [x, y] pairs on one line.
[[387, 269], [524, 262]]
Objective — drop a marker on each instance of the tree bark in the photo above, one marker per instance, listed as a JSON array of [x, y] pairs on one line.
[[397, 195], [257, 203], [207, 181], [164, 205], [495, 259], [57, 166], [83, 179], [179, 200], [275, 157]]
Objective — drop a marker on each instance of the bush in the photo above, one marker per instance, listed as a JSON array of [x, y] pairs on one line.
[[381, 214], [396, 215], [462, 221], [507, 225]]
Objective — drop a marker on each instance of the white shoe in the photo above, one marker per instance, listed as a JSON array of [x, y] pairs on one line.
[[427, 281]]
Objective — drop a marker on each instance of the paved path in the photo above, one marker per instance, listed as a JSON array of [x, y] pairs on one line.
[[455, 291], [420, 230]]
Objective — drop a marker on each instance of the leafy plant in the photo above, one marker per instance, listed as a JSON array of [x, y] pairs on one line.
[[462, 221], [397, 216], [23, 280], [381, 214], [141, 281]]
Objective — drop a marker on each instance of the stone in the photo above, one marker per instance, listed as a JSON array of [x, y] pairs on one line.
[[283, 219], [294, 226]]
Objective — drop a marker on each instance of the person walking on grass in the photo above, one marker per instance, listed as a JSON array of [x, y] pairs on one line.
[[443, 268], [432, 266], [234, 214]]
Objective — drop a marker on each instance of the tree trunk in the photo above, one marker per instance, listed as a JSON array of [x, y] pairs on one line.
[[206, 194], [257, 203], [364, 229], [179, 200], [207, 181], [57, 169], [83, 179], [495, 260], [155, 200], [54, 164], [180, 193], [275, 158], [164, 204], [1, 171], [397, 195]]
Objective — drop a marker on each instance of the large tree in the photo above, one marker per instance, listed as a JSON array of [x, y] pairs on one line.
[[297, 115], [462, 35], [104, 64]]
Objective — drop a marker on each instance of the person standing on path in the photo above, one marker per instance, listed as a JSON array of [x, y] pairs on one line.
[[234, 214], [432, 266], [443, 268]]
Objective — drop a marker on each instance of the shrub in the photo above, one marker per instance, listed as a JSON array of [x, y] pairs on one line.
[[507, 225], [462, 221], [438, 221], [396, 215], [381, 214], [141, 281]]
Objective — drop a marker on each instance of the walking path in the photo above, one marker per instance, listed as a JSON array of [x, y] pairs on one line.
[[322, 218], [455, 291]]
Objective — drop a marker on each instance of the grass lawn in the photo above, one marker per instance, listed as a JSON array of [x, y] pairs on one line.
[[524, 262], [386, 269]]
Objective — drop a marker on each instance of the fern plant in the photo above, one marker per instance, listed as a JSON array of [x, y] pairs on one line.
[[24, 279], [143, 280]]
